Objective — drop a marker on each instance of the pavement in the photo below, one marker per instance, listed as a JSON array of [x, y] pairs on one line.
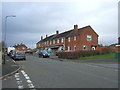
[[9, 68]]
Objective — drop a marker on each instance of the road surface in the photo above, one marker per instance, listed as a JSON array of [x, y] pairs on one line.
[[47, 73]]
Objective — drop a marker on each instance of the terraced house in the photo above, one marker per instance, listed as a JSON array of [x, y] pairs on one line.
[[84, 38], [21, 47]]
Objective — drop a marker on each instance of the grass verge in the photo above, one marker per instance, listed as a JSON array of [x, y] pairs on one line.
[[106, 56]]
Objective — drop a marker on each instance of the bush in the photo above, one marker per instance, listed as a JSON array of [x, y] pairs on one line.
[[108, 50], [78, 54], [28, 52]]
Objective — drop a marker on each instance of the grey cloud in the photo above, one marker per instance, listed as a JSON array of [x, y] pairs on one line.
[[39, 19]]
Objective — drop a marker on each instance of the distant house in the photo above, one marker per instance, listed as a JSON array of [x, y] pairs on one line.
[[84, 38], [21, 47], [119, 40], [118, 46]]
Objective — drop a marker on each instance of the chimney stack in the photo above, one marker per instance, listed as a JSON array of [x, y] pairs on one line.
[[57, 32], [46, 36], [76, 27], [41, 37]]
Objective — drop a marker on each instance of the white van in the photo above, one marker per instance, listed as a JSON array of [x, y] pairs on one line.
[[9, 49]]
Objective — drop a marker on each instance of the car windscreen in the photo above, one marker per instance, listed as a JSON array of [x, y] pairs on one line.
[[20, 53], [45, 52]]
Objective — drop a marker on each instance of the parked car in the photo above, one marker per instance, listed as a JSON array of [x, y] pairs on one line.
[[43, 53], [18, 55]]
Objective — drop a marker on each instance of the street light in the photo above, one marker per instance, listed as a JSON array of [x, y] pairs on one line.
[[5, 35]]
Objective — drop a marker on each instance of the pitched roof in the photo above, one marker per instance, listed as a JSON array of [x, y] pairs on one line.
[[20, 45], [47, 38], [68, 33]]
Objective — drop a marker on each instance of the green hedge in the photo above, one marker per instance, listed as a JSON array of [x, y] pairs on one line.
[[78, 54], [28, 52]]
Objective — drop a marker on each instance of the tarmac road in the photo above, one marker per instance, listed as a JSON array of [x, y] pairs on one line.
[[48, 73]]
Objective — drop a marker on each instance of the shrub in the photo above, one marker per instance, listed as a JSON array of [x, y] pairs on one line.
[[108, 50], [78, 54]]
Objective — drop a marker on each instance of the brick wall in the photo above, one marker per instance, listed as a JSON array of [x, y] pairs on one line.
[[82, 40]]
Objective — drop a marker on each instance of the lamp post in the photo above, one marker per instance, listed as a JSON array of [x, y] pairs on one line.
[[5, 35]]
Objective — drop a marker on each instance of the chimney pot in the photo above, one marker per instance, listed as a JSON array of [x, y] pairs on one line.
[[41, 37], [76, 27], [57, 32]]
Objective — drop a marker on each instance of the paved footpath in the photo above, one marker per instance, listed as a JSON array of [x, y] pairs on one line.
[[9, 68]]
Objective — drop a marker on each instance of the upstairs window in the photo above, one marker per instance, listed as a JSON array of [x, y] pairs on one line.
[[68, 39], [45, 43], [58, 41], [50, 42], [62, 40], [89, 37], [74, 38], [54, 42]]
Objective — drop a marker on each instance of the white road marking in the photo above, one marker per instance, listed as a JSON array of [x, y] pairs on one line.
[[20, 87], [17, 78], [27, 77], [19, 82], [29, 81], [91, 65], [30, 84]]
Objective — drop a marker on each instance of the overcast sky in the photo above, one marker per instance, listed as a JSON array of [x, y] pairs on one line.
[[36, 19]]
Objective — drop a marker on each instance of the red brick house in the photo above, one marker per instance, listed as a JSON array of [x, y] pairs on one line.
[[84, 38], [21, 47]]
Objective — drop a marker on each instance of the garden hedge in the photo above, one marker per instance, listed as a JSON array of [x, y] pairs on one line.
[[84, 53]]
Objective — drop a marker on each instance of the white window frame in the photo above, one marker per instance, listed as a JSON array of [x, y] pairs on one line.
[[89, 37], [62, 40], [69, 48], [53, 41], [50, 42], [45, 43], [68, 39], [75, 38], [93, 48], [23, 47], [84, 46], [58, 41], [74, 48]]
